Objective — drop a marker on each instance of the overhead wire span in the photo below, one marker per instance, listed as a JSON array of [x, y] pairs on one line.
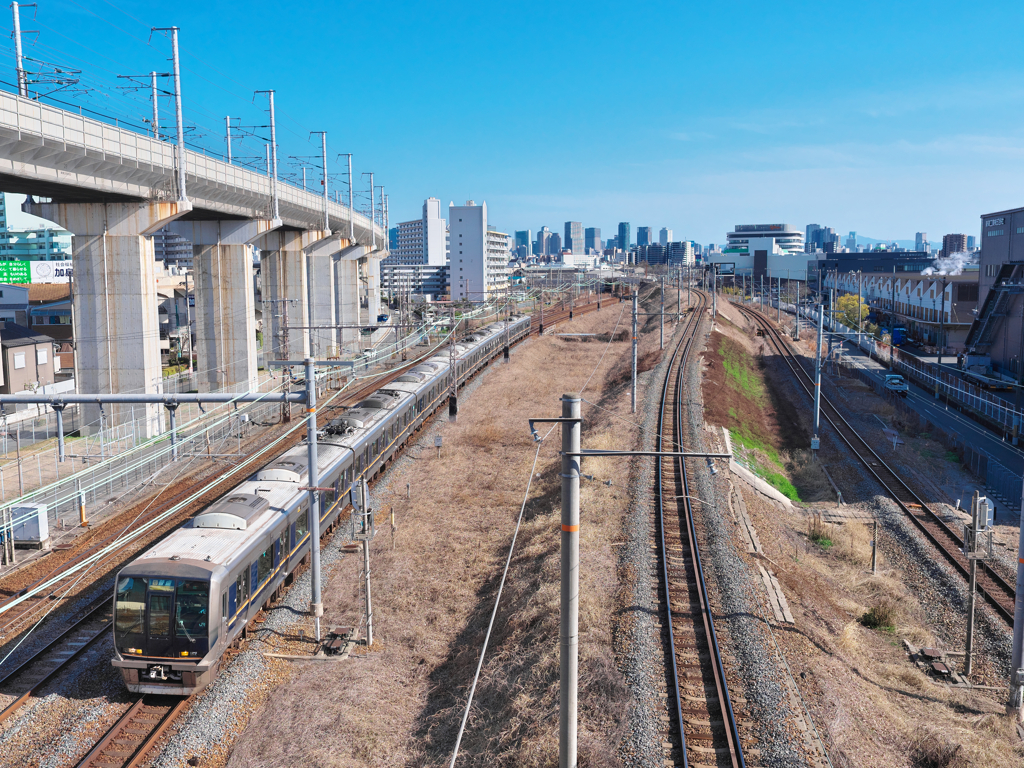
[[494, 612]]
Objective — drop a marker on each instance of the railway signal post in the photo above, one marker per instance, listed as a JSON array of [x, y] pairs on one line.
[[975, 550]]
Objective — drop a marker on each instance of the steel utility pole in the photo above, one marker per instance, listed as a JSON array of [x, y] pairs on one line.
[[661, 317], [632, 388], [323, 158], [373, 229], [316, 606], [942, 341], [227, 135], [570, 598], [778, 295], [815, 440], [453, 396], [22, 77], [273, 156], [156, 108], [177, 108], [1016, 702], [679, 294]]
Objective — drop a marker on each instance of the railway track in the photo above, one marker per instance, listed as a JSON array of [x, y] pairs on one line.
[[137, 730], [704, 729], [129, 740], [16, 618], [48, 661], [996, 590]]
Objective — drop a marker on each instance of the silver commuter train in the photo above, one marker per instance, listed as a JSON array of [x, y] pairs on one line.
[[180, 605]]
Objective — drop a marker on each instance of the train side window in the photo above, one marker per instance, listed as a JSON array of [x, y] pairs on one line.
[[359, 464], [282, 543], [301, 528], [264, 565], [295, 539], [224, 604]]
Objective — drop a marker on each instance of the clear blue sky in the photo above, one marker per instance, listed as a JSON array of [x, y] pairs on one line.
[[886, 118]]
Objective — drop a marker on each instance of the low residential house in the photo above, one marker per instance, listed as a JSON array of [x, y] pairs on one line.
[[14, 303], [175, 309], [49, 310], [29, 362]]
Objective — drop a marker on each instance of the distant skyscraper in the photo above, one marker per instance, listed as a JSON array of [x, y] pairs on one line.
[[543, 246], [920, 241], [624, 241], [592, 238], [574, 237], [644, 236], [971, 243], [818, 237], [523, 237], [393, 239], [953, 244], [555, 244], [665, 236], [851, 242]]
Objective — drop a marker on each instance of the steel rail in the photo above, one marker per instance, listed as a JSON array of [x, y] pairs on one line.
[[24, 697], [346, 399], [99, 605], [988, 579], [677, 370], [137, 756]]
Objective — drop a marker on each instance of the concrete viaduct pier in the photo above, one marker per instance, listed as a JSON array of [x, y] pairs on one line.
[[112, 189]]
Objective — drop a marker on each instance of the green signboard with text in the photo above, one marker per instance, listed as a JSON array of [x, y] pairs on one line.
[[15, 272]]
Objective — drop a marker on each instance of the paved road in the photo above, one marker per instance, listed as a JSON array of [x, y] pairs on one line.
[[923, 402]]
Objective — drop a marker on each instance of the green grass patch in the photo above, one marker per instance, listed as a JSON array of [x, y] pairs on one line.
[[781, 483], [740, 375], [952, 456], [821, 540], [747, 439]]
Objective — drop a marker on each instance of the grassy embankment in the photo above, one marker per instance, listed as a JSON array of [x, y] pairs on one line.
[[749, 428]]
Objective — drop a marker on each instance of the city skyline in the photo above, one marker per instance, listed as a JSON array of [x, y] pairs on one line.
[[887, 113]]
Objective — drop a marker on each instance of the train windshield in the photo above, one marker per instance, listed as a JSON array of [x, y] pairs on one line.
[[161, 617]]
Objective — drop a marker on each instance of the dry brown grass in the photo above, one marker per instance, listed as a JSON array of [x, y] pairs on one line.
[[402, 702]]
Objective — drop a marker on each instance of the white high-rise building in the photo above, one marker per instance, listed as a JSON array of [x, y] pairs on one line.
[[665, 236], [434, 251], [422, 240], [479, 256]]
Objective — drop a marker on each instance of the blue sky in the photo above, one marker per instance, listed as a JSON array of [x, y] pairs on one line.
[[887, 118]]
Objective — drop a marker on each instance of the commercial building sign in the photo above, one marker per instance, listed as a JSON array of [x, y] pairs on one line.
[[35, 272]]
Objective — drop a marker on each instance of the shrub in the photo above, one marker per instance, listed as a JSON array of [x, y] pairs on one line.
[[882, 616]]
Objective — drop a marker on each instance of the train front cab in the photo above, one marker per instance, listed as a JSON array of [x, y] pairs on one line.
[[162, 628]]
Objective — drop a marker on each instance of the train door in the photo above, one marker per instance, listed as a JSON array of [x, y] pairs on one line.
[[159, 603]]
